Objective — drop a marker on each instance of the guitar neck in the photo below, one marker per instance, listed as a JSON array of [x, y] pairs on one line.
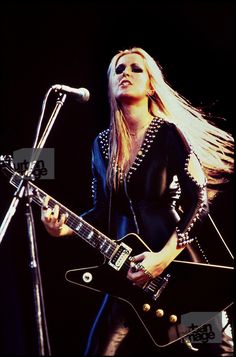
[[83, 229]]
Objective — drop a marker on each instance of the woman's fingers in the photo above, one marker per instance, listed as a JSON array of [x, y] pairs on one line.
[[62, 219], [53, 220], [45, 210], [49, 216], [55, 214]]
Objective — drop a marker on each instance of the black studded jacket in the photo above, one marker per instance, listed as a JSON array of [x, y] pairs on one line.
[[157, 196]]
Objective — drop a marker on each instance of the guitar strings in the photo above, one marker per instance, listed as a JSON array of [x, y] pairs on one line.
[[105, 244]]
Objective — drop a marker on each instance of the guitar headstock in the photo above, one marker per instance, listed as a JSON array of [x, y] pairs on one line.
[[8, 168], [6, 164], [6, 159]]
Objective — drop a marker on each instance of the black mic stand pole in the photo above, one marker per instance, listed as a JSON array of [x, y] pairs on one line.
[[23, 189]]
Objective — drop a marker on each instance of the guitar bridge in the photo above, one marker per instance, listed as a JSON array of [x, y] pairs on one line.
[[120, 256], [156, 286], [162, 287]]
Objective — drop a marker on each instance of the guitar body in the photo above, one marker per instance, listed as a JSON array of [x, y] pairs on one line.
[[186, 296], [191, 295]]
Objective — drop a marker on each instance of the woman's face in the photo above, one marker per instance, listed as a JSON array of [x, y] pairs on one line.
[[131, 81]]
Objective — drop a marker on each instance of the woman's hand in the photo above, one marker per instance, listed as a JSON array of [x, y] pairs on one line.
[[53, 221], [149, 265], [146, 266]]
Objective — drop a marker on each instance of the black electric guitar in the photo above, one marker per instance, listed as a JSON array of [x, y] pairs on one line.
[[169, 307]]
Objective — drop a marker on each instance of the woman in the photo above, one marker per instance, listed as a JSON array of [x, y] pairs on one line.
[[155, 170]]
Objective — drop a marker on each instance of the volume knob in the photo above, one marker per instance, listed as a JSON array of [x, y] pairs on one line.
[[173, 319], [159, 313], [146, 307]]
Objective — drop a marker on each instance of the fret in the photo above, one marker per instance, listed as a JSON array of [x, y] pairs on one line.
[[90, 235], [103, 243], [78, 227], [108, 248]]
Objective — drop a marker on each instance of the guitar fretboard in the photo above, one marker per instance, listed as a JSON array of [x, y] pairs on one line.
[[82, 228], [107, 247]]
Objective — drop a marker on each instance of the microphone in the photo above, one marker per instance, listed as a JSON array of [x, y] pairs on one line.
[[82, 93]]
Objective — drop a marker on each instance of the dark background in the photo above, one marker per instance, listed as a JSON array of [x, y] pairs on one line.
[[71, 43]]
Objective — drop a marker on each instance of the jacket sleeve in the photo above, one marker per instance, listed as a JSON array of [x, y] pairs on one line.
[[97, 216], [193, 202]]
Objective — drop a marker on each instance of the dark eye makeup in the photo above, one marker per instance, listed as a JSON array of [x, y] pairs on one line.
[[120, 69], [134, 67]]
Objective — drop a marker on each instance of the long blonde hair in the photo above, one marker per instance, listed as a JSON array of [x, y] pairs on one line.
[[212, 145]]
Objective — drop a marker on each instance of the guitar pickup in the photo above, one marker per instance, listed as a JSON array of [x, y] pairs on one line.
[[120, 256]]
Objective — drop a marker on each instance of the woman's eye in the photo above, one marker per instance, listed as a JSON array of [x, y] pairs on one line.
[[137, 69], [120, 69]]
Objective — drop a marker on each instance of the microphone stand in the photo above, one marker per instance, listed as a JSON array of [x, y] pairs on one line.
[[23, 190]]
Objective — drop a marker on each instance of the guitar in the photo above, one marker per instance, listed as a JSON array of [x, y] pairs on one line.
[[171, 306]]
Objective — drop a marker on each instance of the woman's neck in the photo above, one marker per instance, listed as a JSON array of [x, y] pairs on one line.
[[137, 118]]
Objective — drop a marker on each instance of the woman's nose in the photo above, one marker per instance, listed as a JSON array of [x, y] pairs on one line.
[[126, 72]]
